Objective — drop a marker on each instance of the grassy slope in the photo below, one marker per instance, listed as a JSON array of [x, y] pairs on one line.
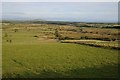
[[59, 57], [27, 57]]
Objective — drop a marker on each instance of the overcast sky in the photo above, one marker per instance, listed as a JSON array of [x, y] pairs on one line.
[[62, 11], [60, 0]]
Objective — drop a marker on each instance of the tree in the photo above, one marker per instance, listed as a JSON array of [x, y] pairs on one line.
[[57, 35], [15, 30]]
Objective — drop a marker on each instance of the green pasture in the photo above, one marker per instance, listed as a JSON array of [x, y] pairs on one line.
[[26, 56]]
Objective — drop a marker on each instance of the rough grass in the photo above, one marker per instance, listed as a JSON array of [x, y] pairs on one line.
[[69, 60], [27, 56], [95, 43]]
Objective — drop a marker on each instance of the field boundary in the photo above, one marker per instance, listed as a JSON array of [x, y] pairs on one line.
[[91, 44]]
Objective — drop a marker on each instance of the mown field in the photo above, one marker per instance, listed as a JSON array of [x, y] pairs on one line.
[[34, 51]]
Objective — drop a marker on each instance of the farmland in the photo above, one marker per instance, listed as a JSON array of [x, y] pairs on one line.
[[35, 50]]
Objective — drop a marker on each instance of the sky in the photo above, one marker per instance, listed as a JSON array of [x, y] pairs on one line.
[[60, 0], [61, 11]]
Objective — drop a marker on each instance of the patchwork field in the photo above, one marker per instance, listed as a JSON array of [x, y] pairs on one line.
[[36, 51]]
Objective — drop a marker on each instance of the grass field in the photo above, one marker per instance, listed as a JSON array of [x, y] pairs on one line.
[[27, 56]]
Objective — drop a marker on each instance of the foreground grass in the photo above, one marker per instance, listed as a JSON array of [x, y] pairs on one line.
[[58, 60]]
